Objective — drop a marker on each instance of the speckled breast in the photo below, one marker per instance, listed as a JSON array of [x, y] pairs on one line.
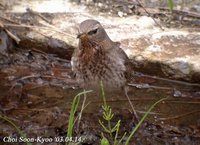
[[106, 66]]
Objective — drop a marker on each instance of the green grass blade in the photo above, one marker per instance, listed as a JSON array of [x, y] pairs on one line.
[[170, 5], [73, 110], [117, 131], [142, 120], [17, 128], [120, 141], [71, 117], [103, 93]]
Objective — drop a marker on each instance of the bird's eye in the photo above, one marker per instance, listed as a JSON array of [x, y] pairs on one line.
[[92, 32]]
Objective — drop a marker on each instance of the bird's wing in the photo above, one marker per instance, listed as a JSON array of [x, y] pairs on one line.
[[128, 64]]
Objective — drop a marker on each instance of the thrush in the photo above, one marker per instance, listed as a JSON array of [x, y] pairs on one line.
[[98, 58]]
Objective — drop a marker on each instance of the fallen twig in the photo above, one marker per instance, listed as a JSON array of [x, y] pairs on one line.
[[165, 79], [40, 27], [141, 99], [183, 12], [147, 86], [9, 20], [38, 14], [149, 15], [178, 116], [14, 37], [40, 76], [81, 112]]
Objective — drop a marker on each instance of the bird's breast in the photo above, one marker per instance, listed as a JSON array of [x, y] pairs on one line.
[[105, 66]]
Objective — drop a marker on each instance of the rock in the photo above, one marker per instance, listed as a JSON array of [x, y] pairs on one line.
[[196, 8], [146, 22], [120, 14], [153, 48], [173, 53], [177, 68]]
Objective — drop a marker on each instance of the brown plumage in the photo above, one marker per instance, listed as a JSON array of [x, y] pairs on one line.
[[99, 58]]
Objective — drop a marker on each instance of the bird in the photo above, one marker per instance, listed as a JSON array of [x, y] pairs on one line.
[[97, 58]]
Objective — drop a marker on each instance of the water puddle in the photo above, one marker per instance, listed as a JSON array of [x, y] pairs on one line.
[[37, 96]]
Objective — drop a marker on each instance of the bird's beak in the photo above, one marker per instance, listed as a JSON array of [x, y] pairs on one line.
[[78, 36], [81, 35]]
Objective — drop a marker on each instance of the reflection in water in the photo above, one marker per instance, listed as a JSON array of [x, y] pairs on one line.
[[40, 103]]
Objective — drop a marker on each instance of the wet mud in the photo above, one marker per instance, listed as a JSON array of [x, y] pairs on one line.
[[37, 92]]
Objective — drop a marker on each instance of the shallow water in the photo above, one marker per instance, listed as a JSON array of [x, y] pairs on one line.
[[40, 105]]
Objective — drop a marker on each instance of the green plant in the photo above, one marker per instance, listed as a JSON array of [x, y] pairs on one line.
[[142, 120], [107, 116], [73, 110], [170, 5], [15, 126], [104, 140]]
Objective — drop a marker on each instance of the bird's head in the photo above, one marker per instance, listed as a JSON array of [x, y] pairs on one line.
[[92, 31]]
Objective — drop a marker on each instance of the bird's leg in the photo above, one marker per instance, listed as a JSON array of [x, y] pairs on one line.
[[133, 109]]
